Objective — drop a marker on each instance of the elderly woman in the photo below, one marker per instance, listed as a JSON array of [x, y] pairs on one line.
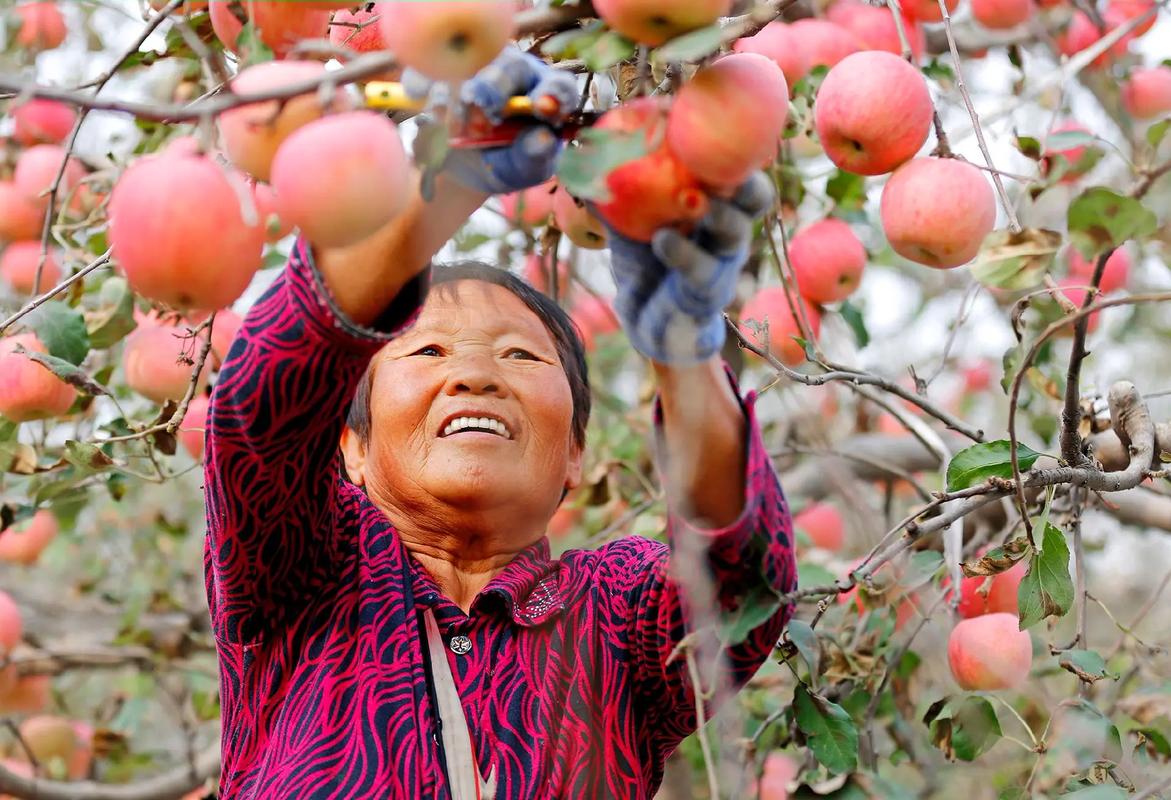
[[389, 620]]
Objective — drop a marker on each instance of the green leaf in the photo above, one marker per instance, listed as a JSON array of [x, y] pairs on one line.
[[1156, 132], [606, 51], [857, 323], [847, 189], [1099, 220], [938, 71], [828, 729], [1029, 147], [582, 170], [758, 604], [691, 46], [924, 564], [1087, 665], [74, 376], [804, 638], [979, 462], [251, 47], [88, 458], [61, 330], [1016, 261], [963, 727], [568, 44], [1067, 140], [115, 316], [809, 574], [18, 458], [1046, 590], [1102, 791]]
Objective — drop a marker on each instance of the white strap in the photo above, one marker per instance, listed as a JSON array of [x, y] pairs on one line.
[[462, 770]]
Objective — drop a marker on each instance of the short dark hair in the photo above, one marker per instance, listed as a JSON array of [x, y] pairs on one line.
[[566, 338]]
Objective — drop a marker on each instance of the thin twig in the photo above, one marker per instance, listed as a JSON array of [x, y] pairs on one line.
[[705, 746], [34, 304]]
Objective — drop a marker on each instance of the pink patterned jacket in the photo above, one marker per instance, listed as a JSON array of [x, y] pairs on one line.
[[316, 605]]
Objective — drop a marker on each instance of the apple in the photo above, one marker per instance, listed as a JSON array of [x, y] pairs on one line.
[[191, 431], [23, 544], [977, 377], [154, 362], [594, 317], [779, 771], [365, 186], [727, 121], [1146, 94], [37, 168], [279, 24], [20, 218], [223, 332], [875, 28], [989, 652], [1072, 155], [252, 133], [1001, 597], [654, 190], [653, 22], [827, 260], [529, 207], [770, 305], [577, 222], [1075, 290], [18, 267], [447, 40], [563, 522], [1114, 275], [28, 695], [782, 44], [825, 43], [872, 113], [1001, 14], [823, 524], [343, 30], [924, 230], [50, 738], [536, 273], [275, 228], [1122, 10], [179, 232], [928, 10], [39, 121], [1082, 32], [28, 390], [11, 624], [42, 26]]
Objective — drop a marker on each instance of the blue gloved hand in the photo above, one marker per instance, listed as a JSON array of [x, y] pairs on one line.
[[530, 159], [672, 292]]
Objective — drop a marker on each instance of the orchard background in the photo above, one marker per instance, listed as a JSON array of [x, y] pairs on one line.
[[891, 399]]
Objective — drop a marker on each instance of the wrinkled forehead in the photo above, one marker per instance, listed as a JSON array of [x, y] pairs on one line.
[[476, 308]]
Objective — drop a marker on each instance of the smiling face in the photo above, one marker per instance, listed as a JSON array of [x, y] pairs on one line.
[[471, 417]]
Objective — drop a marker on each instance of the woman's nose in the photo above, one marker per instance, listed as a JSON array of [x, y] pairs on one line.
[[473, 374]]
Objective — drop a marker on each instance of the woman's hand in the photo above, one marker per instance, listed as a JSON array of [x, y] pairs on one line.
[[672, 292], [530, 159]]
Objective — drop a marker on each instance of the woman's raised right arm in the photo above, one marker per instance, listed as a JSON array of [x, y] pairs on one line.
[[279, 405]]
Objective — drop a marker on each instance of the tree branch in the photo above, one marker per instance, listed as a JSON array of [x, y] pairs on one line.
[[167, 786]]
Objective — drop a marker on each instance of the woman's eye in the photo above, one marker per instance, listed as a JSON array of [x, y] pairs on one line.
[[517, 352], [429, 350]]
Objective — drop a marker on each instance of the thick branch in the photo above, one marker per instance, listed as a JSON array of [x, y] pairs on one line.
[[167, 786]]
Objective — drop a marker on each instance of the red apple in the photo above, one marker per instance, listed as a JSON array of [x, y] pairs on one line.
[[594, 317], [178, 230], [28, 695], [18, 267], [1114, 275], [977, 377], [652, 191], [655, 21], [39, 121], [779, 772], [873, 113], [924, 230], [823, 524], [1146, 94], [275, 228], [770, 305], [989, 652], [37, 168], [447, 40], [529, 207], [11, 624], [827, 260], [875, 27], [20, 218], [1082, 32], [344, 33], [727, 121], [28, 390], [928, 10], [781, 43], [252, 133], [1001, 14], [42, 26], [154, 362], [536, 272], [279, 24], [1075, 290], [223, 332], [576, 221], [191, 431], [51, 738], [1001, 597], [1122, 10], [23, 544], [825, 43], [366, 185]]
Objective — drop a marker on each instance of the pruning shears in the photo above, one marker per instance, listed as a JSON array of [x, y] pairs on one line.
[[475, 130]]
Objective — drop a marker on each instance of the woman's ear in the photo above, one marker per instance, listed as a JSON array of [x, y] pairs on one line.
[[354, 453], [573, 469]]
